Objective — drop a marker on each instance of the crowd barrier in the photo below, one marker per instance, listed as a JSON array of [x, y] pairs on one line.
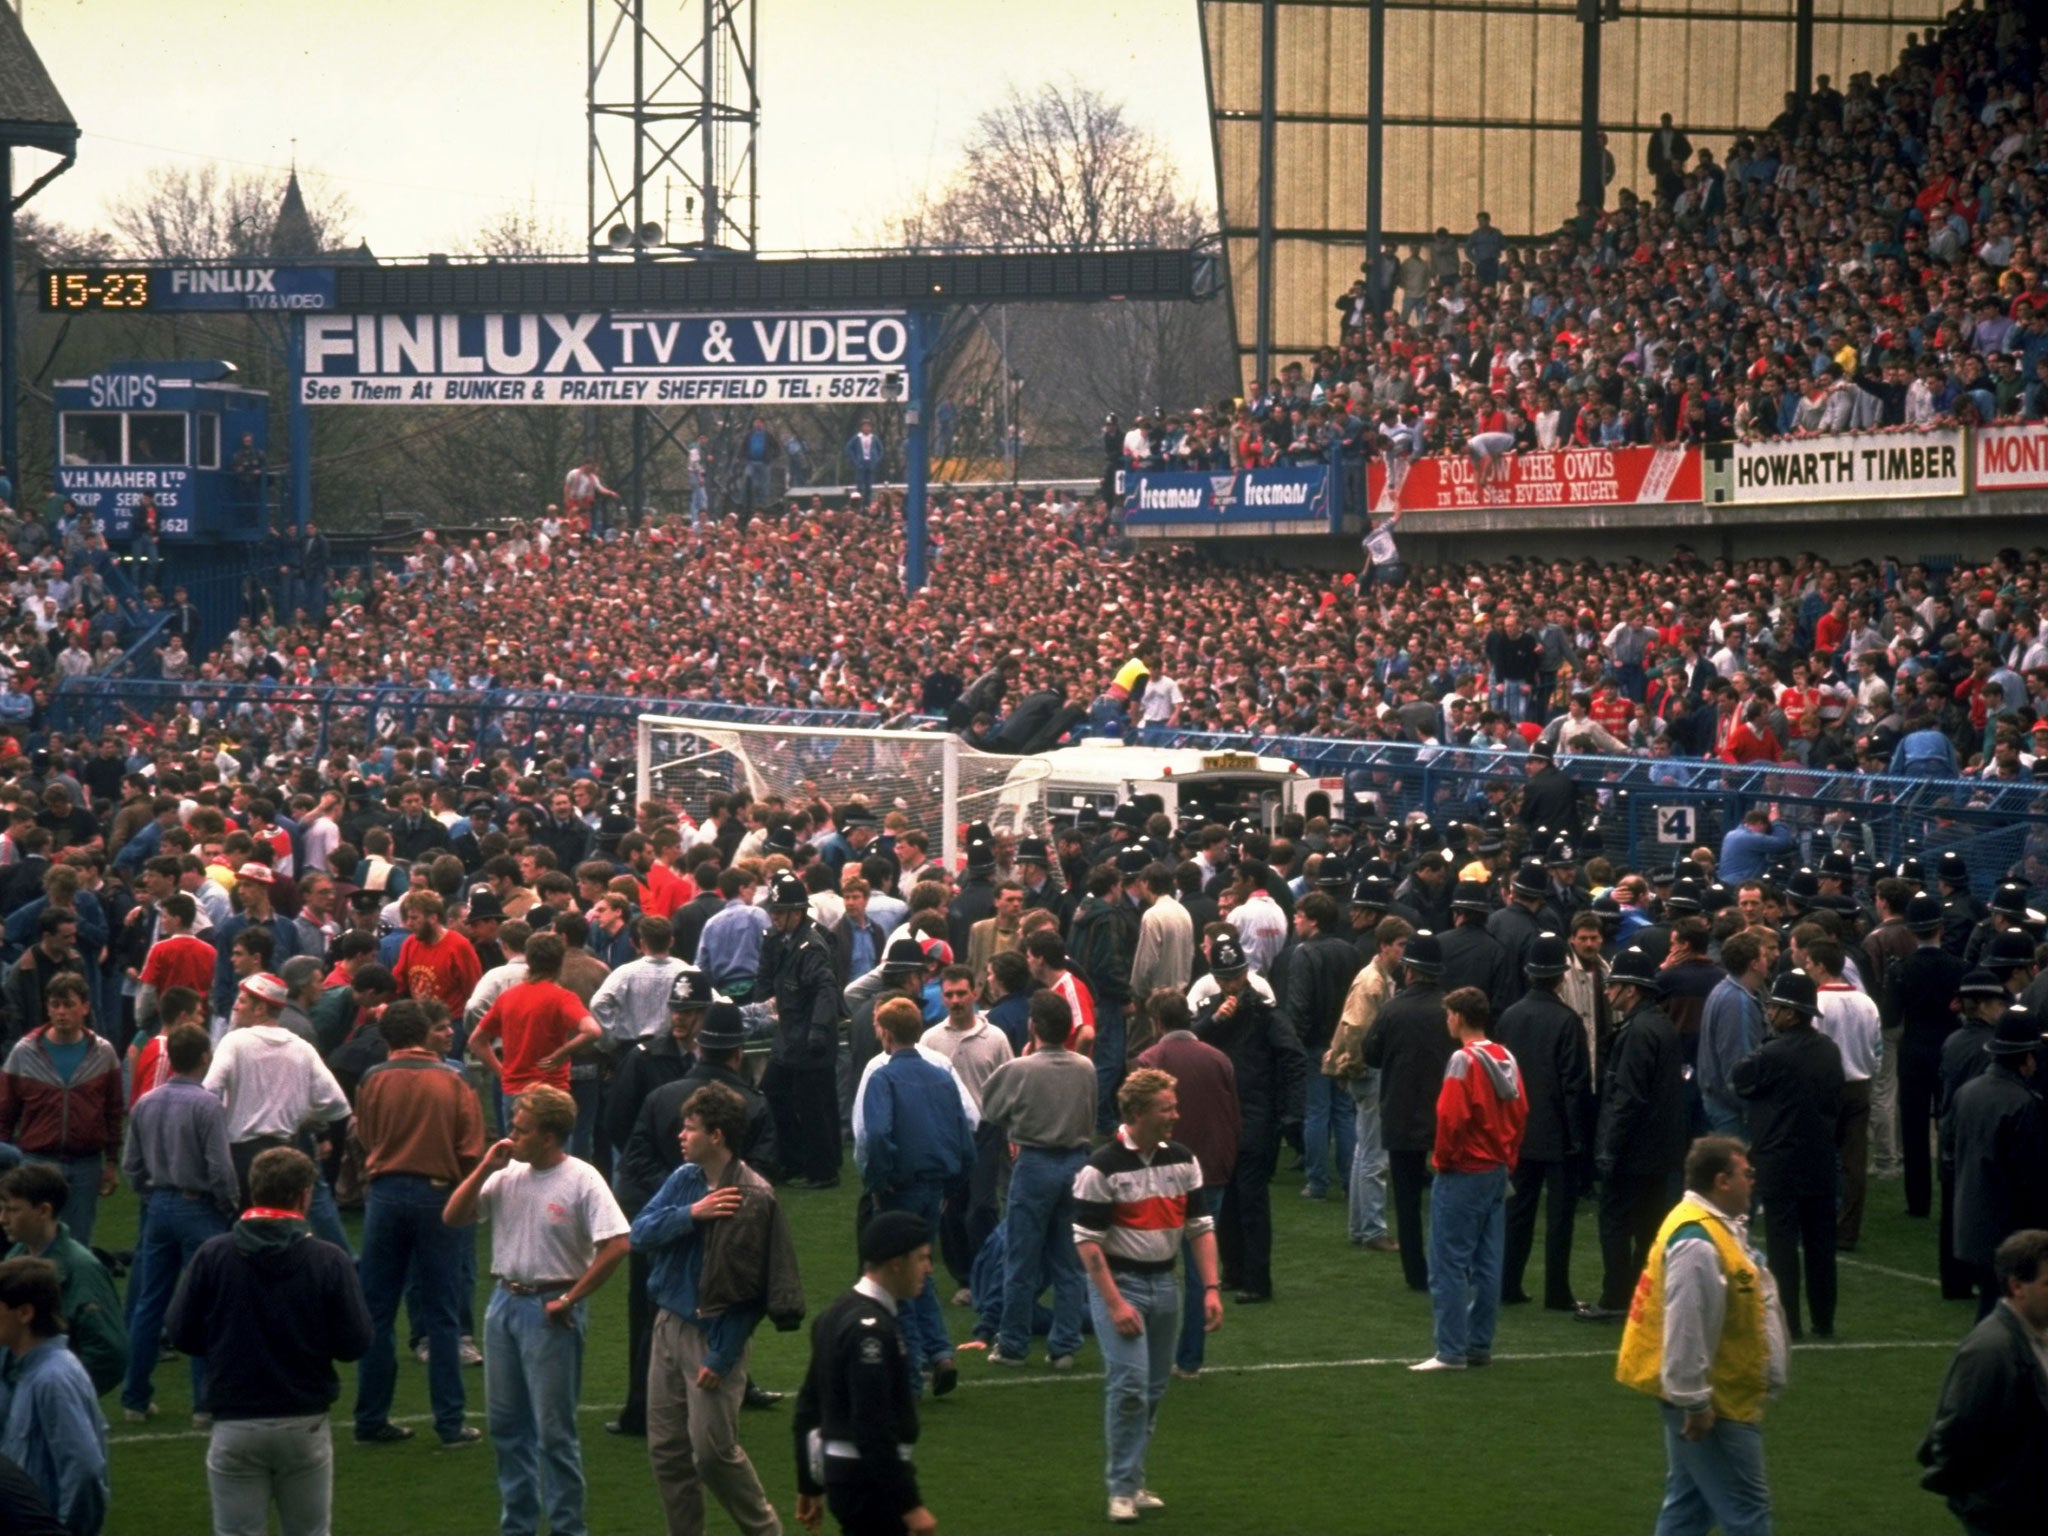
[[1643, 812]]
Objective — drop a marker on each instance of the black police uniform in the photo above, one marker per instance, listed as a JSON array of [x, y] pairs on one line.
[[1792, 1089], [1639, 1146], [1271, 1072], [799, 972], [859, 1403], [1963, 1060], [1922, 986], [975, 900], [1547, 1038], [1409, 1047], [2001, 1145], [1551, 799], [1474, 958]]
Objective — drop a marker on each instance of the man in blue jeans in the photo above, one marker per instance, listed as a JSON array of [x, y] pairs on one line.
[[422, 1131], [556, 1236], [1706, 1337], [1480, 1112], [1135, 1202], [1205, 1085], [914, 1143], [1045, 1105], [177, 1161]]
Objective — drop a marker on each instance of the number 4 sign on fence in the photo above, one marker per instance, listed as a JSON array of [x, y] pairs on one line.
[[1674, 824]]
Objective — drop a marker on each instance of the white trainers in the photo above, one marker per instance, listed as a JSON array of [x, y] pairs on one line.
[[1061, 1362], [1123, 1511], [471, 1355], [139, 1415], [963, 1297], [202, 1421], [419, 1351], [1145, 1498], [1434, 1364]]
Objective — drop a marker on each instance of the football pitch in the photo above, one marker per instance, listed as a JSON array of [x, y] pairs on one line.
[[1304, 1420]]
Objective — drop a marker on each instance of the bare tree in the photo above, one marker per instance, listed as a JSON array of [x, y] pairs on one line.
[[1061, 169], [519, 232], [1065, 169], [205, 213]]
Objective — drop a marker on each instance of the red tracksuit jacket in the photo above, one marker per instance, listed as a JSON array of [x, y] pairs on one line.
[[1480, 1110]]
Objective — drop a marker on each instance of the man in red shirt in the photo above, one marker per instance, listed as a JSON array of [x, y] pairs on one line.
[[435, 961], [653, 861], [1610, 710], [540, 1020], [177, 958], [1480, 1112], [1749, 739], [1046, 954]]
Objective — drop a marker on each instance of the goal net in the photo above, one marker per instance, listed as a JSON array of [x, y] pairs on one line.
[[940, 785]]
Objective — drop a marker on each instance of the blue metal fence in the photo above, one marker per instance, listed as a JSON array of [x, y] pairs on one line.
[[1646, 811], [1650, 811], [314, 718]]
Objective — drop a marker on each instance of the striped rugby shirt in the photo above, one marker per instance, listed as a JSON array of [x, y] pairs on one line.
[[1135, 1204]]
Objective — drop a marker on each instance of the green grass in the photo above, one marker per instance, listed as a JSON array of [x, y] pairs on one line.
[[1304, 1420]]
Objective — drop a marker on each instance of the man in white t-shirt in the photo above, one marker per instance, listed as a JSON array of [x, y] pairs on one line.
[[1849, 1018], [556, 1235], [1162, 702]]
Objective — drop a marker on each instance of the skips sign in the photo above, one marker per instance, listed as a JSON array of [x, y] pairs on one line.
[[603, 359]]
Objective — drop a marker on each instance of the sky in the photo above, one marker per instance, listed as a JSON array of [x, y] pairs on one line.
[[436, 117]]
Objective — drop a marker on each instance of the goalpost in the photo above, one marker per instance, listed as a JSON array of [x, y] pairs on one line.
[[941, 785]]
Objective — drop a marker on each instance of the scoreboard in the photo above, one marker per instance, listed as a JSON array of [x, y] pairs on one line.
[[138, 288]]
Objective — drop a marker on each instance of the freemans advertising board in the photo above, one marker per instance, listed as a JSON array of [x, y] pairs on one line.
[[603, 359], [1284, 499], [1858, 466], [1565, 477], [2012, 458]]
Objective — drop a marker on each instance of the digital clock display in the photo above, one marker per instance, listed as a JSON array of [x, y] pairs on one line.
[[110, 288]]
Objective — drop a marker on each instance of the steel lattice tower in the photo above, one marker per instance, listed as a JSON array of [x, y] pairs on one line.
[[674, 110]]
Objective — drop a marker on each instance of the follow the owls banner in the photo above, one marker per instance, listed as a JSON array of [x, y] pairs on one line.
[[603, 359]]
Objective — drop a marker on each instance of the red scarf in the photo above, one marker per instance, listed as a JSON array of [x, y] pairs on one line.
[[265, 1213]]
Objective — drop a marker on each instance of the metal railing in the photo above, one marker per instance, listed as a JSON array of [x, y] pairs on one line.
[[1637, 812], [1641, 812]]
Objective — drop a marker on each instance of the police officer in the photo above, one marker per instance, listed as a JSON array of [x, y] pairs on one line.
[[1982, 999], [2009, 914], [1472, 956], [1639, 1144], [1792, 1088], [2001, 1145], [1548, 1040], [1922, 984], [799, 974], [1271, 1071], [1515, 926], [1409, 1046], [976, 898], [1961, 911], [856, 1417]]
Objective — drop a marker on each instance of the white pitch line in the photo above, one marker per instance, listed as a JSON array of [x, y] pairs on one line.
[[1885, 1269], [1056, 1378]]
